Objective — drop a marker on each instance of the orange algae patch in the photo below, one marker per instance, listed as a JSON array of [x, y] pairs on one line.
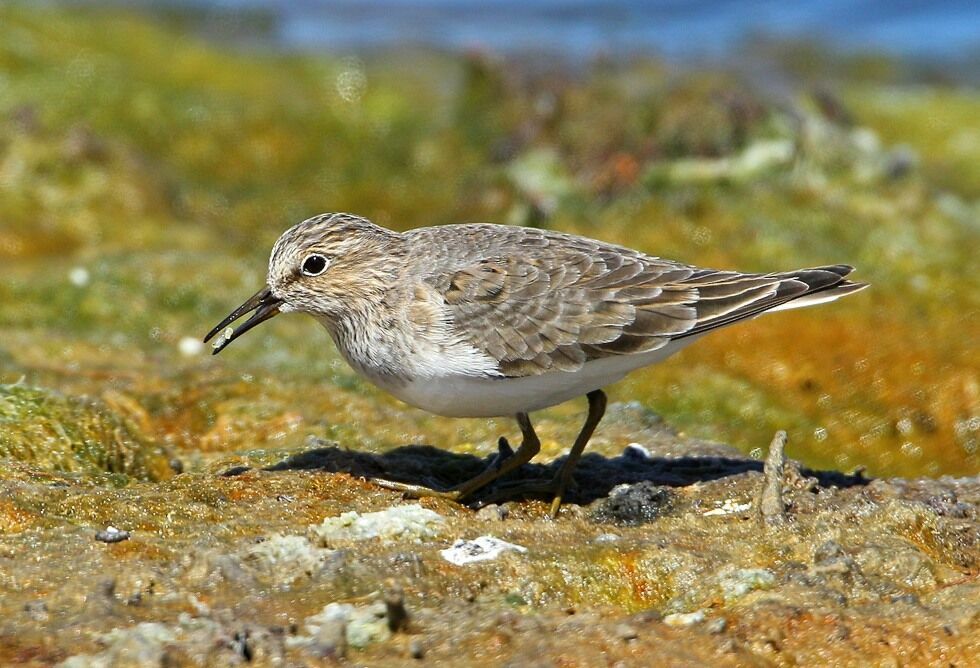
[[884, 396], [636, 590], [230, 430], [136, 549], [14, 519]]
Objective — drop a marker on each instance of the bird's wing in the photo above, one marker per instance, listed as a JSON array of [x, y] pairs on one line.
[[554, 302]]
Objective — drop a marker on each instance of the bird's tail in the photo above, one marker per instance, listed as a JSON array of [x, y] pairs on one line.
[[727, 297], [824, 284]]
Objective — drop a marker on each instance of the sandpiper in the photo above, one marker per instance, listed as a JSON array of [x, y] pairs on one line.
[[486, 320]]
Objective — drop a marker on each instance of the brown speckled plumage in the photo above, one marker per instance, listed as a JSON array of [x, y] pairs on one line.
[[542, 301], [484, 320]]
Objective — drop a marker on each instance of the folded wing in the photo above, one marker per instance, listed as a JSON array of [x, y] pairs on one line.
[[554, 302]]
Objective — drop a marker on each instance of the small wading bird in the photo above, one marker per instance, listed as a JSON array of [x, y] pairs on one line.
[[494, 320]]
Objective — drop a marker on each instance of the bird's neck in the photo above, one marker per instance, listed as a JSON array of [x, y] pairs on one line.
[[373, 340]]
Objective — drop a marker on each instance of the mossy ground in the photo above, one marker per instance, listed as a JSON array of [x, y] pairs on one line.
[[159, 169], [144, 174]]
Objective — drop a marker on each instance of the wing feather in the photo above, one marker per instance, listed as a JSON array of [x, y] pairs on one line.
[[540, 301]]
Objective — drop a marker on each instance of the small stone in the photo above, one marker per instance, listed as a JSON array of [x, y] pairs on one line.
[[394, 598], [329, 630], [409, 522], [634, 504], [648, 616], [771, 504], [416, 649], [946, 504], [483, 548], [112, 535], [140, 645], [637, 451], [727, 507], [37, 611], [897, 562], [626, 632], [283, 560], [493, 512], [368, 625], [716, 625], [728, 645], [736, 583], [684, 618]]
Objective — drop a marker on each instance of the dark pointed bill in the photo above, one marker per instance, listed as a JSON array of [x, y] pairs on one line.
[[265, 305]]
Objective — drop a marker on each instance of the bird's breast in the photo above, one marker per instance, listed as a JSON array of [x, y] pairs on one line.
[[394, 351]]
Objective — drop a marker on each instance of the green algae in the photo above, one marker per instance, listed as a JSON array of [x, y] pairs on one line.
[[143, 179], [143, 176], [56, 433]]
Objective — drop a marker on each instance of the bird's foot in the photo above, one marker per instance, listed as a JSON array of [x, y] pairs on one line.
[[418, 491], [460, 491], [556, 488], [504, 452]]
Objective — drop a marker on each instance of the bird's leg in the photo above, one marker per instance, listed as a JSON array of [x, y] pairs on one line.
[[530, 446], [597, 408], [506, 461], [559, 483]]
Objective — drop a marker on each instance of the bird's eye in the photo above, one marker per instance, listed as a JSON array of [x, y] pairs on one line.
[[314, 265]]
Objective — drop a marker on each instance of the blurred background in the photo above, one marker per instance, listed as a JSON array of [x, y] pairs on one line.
[[152, 151]]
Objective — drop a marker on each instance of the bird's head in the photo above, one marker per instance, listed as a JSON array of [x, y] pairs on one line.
[[327, 265]]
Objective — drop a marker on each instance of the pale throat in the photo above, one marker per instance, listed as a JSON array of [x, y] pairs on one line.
[[374, 352]]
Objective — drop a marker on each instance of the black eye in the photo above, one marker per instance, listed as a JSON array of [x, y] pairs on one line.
[[314, 265]]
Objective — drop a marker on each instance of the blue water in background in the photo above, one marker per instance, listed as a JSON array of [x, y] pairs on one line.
[[670, 28]]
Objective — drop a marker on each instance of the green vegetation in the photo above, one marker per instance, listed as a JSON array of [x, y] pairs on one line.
[[144, 175], [57, 433]]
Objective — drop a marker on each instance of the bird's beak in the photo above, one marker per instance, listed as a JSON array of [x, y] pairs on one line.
[[265, 305]]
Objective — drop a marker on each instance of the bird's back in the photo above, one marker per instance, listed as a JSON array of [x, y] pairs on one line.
[[540, 301]]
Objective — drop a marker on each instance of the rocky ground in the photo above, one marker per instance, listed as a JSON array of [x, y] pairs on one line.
[[672, 551], [159, 506]]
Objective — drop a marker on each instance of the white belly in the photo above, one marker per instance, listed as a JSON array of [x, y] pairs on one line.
[[469, 396]]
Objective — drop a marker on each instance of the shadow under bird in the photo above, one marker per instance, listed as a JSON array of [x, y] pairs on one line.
[[488, 320]]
